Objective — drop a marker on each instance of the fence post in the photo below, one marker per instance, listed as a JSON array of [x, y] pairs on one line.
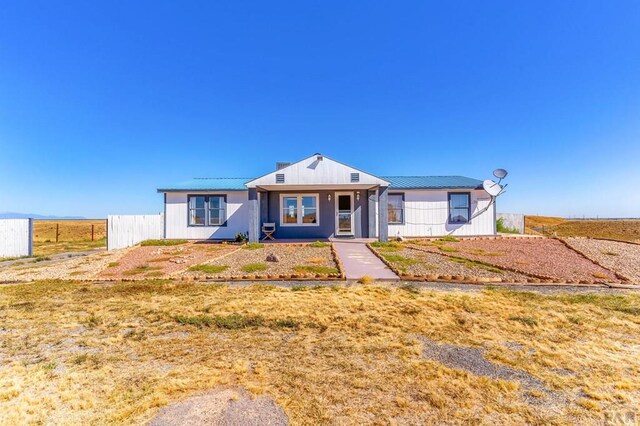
[[57, 234], [92, 232]]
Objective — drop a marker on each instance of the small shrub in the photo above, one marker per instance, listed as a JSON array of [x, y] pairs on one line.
[[50, 366], [162, 243], [113, 264], [135, 335], [502, 228], [255, 267], [410, 288], [41, 259], [92, 321], [610, 253], [315, 269], [242, 237], [238, 321], [198, 320], [253, 246], [141, 269], [383, 244], [319, 244], [80, 359], [448, 249], [365, 279], [208, 268], [528, 321]]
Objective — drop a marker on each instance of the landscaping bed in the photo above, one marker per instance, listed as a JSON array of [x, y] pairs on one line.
[[623, 258], [164, 258], [314, 260], [409, 262], [544, 258]]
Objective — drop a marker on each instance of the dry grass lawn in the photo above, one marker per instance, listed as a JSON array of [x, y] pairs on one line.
[[622, 230], [116, 353], [74, 235]]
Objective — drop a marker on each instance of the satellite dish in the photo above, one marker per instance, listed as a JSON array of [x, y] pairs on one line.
[[491, 187], [500, 173]]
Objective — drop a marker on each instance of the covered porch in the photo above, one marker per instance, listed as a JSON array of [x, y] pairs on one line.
[[317, 212]]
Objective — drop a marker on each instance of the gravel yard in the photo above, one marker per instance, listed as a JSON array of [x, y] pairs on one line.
[[164, 261], [251, 260], [623, 258], [543, 257], [421, 263], [73, 268]]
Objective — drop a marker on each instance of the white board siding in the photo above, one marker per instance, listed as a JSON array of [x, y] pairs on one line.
[[177, 220], [16, 237], [128, 230], [311, 171], [426, 213]]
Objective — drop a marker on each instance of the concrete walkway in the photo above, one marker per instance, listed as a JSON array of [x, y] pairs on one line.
[[358, 260]]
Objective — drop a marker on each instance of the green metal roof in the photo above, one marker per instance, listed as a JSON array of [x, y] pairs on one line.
[[208, 184], [432, 182], [397, 182]]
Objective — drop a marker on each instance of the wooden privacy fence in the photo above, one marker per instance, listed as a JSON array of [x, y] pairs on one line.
[[128, 230], [16, 237]]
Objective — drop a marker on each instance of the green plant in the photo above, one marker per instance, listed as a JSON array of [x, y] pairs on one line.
[[502, 228], [287, 323], [162, 242], [611, 253], [315, 269], [255, 267], [385, 244], [448, 249], [319, 244], [112, 264], [475, 264], [242, 237], [208, 268], [253, 246], [41, 259], [141, 269], [410, 288], [395, 258]]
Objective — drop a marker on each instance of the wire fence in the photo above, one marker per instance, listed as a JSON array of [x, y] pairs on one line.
[[69, 230]]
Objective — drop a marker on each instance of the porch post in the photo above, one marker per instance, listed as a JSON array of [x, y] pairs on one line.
[[383, 214], [254, 216], [372, 214]]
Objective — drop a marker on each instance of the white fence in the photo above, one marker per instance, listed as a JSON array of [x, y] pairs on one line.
[[16, 237], [513, 221], [128, 230]]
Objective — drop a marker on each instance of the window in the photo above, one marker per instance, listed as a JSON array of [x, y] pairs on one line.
[[459, 207], [299, 210], [396, 209], [207, 210]]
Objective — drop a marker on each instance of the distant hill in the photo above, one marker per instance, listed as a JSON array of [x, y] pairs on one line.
[[13, 215]]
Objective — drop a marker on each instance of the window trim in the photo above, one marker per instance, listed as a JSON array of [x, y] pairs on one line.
[[449, 221], [403, 209], [206, 210], [299, 196]]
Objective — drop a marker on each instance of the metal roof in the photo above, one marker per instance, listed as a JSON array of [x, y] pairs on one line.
[[208, 184], [397, 182], [432, 182]]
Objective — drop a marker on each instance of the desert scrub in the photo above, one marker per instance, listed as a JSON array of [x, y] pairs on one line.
[[449, 239], [396, 258], [162, 242], [254, 267], [526, 320], [253, 246], [208, 268]]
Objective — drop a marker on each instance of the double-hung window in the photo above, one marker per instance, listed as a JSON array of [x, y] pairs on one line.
[[459, 207], [396, 209], [207, 210], [299, 210]]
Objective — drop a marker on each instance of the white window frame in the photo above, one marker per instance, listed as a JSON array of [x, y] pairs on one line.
[[299, 207]]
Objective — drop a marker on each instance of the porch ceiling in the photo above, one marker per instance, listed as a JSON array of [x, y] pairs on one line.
[[346, 187]]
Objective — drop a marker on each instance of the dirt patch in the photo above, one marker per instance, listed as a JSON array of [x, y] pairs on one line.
[[472, 360], [224, 407], [163, 261], [541, 257], [615, 229]]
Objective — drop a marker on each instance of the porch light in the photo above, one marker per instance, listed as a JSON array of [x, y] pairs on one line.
[[358, 195], [329, 197]]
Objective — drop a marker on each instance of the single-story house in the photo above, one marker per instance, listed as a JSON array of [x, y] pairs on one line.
[[321, 198]]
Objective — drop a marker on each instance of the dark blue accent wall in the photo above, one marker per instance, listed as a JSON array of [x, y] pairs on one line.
[[326, 212]]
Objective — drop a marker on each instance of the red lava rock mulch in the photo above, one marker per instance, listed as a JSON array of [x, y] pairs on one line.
[[162, 261], [541, 257]]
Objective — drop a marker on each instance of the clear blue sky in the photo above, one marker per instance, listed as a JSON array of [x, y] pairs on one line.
[[102, 102]]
